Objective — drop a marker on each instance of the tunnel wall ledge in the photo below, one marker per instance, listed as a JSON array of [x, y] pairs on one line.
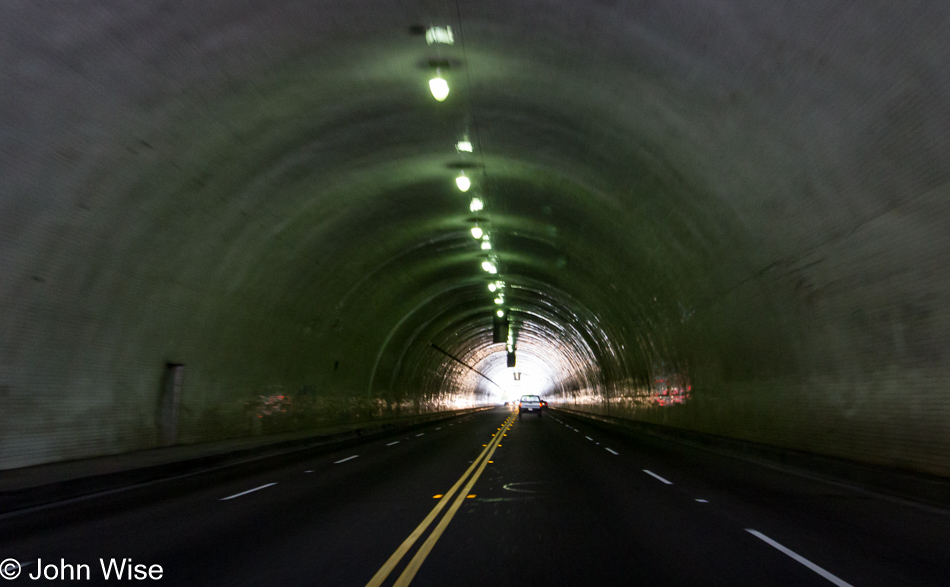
[[39, 485], [910, 485]]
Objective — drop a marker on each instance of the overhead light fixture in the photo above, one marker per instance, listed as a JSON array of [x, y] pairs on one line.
[[476, 205], [492, 287], [489, 267], [500, 284], [500, 313], [464, 147], [477, 232], [499, 300], [463, 181], [486, 246], [440, 35], [439, 87]]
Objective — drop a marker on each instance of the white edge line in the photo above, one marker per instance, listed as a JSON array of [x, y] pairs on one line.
[[799, 558], [246, 492], [655, 476], [392, 443], [612, 451], [344, 460]]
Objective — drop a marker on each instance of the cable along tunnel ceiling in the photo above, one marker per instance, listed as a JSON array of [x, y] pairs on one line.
[[727, 217]]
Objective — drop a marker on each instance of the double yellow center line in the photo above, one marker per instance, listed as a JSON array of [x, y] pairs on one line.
[[471, 474]]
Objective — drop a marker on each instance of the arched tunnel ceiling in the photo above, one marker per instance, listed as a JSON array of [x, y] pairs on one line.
[[746, 198]]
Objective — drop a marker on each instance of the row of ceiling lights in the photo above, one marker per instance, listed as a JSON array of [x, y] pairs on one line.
[[439, 87]]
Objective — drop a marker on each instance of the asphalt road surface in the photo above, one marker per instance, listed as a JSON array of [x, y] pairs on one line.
[[524, 501]]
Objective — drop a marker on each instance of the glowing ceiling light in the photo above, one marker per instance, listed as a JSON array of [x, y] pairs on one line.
[[464, 146], [477, 232], [486, 246], [489, 267], [476, 205], [492, 287], [439, 87], [500, 284], [463, 182], [500, 313], [440, 35], [499, 300]]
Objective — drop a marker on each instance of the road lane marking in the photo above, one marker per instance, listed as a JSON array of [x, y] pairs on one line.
[[344, 460], [799, 558], [702, 500], [655, 476], [246, 492], [387, 568], [309, 471], [392, 443], [589, 438], [612, 451], [413, 567], [420, 434]]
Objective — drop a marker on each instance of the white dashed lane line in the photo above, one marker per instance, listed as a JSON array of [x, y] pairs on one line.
[[612, 451], [655, 476], [248, 491], [310, 471], [701, 500], [344, 460], [392, 443], [799, 558], [589, 438], [420, 434]]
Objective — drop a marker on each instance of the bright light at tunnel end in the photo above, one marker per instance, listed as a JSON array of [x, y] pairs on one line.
[[535, 376]]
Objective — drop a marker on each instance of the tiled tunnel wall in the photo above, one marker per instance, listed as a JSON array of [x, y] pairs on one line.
[[750, 196]]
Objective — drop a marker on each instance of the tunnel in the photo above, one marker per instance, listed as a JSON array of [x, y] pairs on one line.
[[246, 220]]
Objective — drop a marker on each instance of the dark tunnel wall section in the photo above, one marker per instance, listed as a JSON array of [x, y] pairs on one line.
[[744, 204]]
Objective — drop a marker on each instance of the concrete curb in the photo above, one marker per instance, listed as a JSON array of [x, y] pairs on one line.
[[899, 483], [55, 490]]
